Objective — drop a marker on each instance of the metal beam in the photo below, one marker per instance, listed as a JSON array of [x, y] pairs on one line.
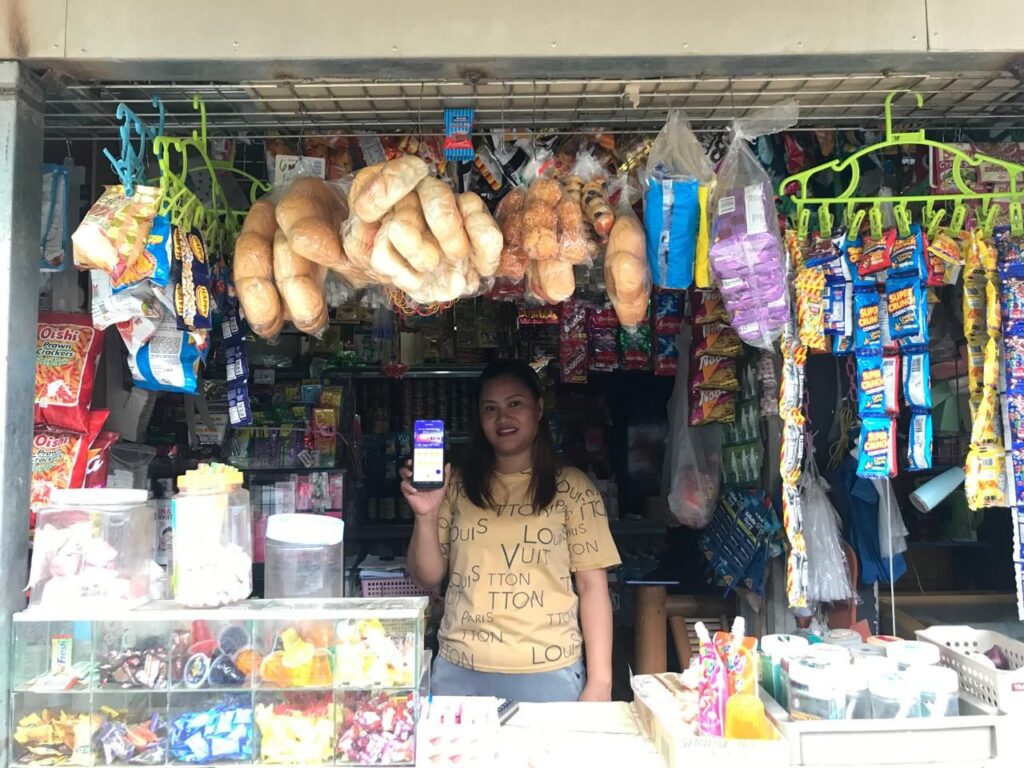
[[232, 40], [21, 158]]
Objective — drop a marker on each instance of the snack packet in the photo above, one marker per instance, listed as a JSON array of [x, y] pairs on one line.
[[987, 427], [711, 405], [994, 308], [67, 356], [891, 378], [153, 262], [867, 329], [985, 483], [1012, 299], [877, 254], [713, 688], [975, 328], [809, 285], [1009, 253], [192, 298], [60, 458], [908, 254], [1013, 361], [714, 372], [905, 305], [666, 355], [114, 232], [716, 339], [919, 441], [877, 456], [838, 309], [917, 390], [870, 386], [709, 309], [170, 361], [97, 466]]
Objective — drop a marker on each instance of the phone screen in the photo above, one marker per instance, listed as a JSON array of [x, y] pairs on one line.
[[428, 452]]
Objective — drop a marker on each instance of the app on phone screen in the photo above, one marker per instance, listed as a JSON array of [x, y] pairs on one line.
[[428, 452]]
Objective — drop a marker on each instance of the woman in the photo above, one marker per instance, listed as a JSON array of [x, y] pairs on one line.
[[513, 532]]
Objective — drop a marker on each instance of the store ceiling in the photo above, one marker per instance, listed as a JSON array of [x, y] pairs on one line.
[[991, 100]]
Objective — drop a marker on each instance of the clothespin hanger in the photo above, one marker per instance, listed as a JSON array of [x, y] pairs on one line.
[[956, 224], [902, 216], [825, 222], [988, 219], [856, 220], [803, 224], [875, 221], [1016, 219], [932, 219]]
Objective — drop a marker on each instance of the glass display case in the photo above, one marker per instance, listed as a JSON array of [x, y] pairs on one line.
[[266, 682]]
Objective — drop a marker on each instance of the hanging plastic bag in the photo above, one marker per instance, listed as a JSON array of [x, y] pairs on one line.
[[747, 256], [677, 170], [828, 576], [169, 361], [695, 453], [55, 236], [627, 273]]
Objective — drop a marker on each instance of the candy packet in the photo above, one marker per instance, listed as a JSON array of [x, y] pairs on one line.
[[1009, 252], [809, 285], [891, 379], [1012, 300], [1015, 419], [635, 347], [713, 689], [824, 249], [877, 456], [714, 372], [1013, 361], [917, 391], [838, 309], [668, 312], [870, 386], [908, 254], [985, 483], [666, 355], [716, 339]]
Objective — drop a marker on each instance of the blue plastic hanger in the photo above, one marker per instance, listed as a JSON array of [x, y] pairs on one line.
[[130, 167]]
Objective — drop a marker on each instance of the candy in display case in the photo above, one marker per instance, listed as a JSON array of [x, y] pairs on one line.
[[271, 682]]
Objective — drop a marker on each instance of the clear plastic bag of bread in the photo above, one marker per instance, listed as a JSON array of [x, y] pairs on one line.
[[253, 271], [509, 215], [550, 281], [301, 285], [310, 212], [587, 185], [627, 275]]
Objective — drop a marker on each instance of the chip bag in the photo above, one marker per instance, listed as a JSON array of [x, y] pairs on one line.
[[67, 355], [114, 232], [60, 458], [170, 361]]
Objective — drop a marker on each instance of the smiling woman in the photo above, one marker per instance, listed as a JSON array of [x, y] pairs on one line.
[[515, 533]]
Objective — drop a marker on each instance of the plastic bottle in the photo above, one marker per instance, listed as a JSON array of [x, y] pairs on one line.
[[740, 660], [744, 718], [713, 689]]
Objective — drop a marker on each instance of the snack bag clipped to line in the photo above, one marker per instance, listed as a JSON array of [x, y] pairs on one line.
[[60, 458], [114, 232], [877, 456], [154, 261], [170, 361], [67, 356]]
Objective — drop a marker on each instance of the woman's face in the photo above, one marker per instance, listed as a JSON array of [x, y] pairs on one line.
[[509, 415]]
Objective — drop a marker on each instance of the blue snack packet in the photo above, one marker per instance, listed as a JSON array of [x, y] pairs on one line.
[[672, 219], [919, 441], [917, 389], [906, 306], [867, 327], [908, 255], [458, 130], [870, 386], [838, 310], [877, 454]]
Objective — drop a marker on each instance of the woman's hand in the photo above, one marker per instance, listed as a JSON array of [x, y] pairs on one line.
[[596, 691], [424, 503]]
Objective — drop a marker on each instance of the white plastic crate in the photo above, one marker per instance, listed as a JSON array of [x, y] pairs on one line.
[[961, 648]]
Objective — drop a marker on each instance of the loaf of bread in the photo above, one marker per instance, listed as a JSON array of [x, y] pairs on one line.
[[310, 215], [444, 219], [626, 271], [411, 237], [300, 282], [386, 261], [260, 220], [487, 241], [556, 279], [376, 189], [253, 275], [470, 203]]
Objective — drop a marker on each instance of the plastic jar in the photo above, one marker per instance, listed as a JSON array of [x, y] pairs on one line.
[[304, 556], [940, 691], [895, 696], [816, 689], [212, 562], [842, 637], [866, 650], [774, 648], [92, 547], [913, 653], [858, 695]]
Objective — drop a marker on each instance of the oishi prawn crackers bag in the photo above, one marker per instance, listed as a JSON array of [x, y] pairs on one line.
[[60, 459], [67, 353]]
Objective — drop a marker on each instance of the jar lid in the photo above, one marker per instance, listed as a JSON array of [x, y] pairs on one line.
[[100, 497], [894, 685], [829, 654], [866, 650], [938, 680], [777, 646], [844, 637], [909, 653], [305, 530], [812, 673]]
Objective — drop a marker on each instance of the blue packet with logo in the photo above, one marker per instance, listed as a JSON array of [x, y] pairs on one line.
[[671, 220], [877, 455], [870, 386], [917, 388], [906, 306], [908, 254], [867, 327], [919, 441]]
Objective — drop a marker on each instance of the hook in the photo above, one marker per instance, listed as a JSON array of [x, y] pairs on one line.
[[890, 135]]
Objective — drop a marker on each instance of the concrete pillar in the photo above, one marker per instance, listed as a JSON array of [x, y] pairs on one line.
[[21, 158]]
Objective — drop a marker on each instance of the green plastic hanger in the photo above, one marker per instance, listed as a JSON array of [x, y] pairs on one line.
[[956, 224], [825, 222], [875, 221], [801, 181], [902, 216], [1016, 219], [988, 219]]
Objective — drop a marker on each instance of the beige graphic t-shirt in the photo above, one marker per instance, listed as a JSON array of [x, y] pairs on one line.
[[510, 604]]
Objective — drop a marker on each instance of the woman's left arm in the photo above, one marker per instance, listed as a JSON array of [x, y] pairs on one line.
[[596, 622]]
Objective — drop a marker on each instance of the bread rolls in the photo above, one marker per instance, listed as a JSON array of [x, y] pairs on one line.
[[444, 219], [310, 214], [410, 236], [556, 279], [487, 241], [260, 220], [300, 283], [626, 271], [253, 275], [470, 203], [376, 189], [385, 260]]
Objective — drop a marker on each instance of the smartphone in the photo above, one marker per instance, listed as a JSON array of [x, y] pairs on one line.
[[428, 454]]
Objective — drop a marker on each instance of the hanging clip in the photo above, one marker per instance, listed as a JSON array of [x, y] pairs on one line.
[[902, 216], [875, 221], [825, 222], [803, 223], [1016, 219], [956, 224], [988, 218], [856, 220], [932, 219]]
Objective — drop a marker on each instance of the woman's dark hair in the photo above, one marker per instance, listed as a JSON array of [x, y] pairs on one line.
[[478, 459]]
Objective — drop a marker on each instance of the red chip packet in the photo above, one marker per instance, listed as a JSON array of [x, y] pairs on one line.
[[67, 354], [60, 458]]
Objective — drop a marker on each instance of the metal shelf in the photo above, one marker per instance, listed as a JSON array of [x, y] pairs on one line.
[[292, 107]]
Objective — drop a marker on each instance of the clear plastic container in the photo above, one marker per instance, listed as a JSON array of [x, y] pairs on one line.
[[940, 691], [304, 556], [816, 689], [92, 546], [775, 648], [858, 695], [895, 696], [212, 529], [913, 653]]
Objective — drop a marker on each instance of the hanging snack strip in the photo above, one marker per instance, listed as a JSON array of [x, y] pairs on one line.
[[1009, 247], [791, 409], [986, 470], [714, 348]]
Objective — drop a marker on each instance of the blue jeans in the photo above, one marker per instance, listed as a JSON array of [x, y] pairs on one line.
[[564, 684]]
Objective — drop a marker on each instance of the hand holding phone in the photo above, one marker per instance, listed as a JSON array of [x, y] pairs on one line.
[[428, 454]]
